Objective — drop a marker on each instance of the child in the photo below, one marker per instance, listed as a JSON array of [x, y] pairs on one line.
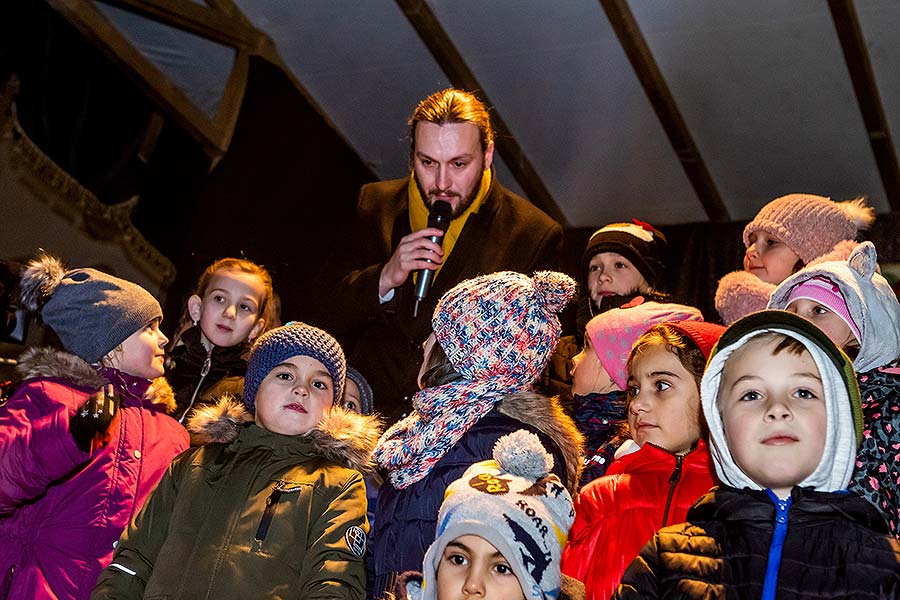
[[492, 337], [788, 233], [600, 374], [85, 437], [782, 406], [622, 261], [231, 306], [274, 505], [657, 483], [857, 309], [501, 529], [358, 395]]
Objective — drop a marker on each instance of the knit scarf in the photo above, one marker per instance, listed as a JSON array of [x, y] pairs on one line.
[[418, 213], [443, 414]]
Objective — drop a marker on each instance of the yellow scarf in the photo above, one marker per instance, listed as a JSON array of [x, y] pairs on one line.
[[418, 214]]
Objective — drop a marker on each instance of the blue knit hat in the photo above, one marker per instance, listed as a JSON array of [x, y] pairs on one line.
[[294, 339], [366, 398]]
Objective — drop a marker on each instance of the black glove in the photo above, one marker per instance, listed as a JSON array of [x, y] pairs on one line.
[[92, 418]]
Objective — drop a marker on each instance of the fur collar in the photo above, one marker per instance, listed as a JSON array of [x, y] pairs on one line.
[[343, 437], [49, 362], [547, 416]]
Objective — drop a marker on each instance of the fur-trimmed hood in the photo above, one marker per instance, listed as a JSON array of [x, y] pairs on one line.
[[547, 416], [50, 362], [342, 436]]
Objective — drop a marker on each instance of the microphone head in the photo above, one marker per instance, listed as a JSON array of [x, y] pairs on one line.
[[439, 216]]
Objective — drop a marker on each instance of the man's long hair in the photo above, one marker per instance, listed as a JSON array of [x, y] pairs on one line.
[[452, 106]]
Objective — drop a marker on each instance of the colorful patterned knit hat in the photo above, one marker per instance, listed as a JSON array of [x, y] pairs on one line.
[[514, 503], [502, 324], [294, 339], [614, 332], [91, 312], [811, 225], [639, 242]]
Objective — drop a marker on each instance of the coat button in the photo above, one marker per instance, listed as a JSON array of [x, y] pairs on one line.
[[137, 453]]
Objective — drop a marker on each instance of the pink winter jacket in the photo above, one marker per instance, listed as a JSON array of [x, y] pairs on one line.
[[62, 510]]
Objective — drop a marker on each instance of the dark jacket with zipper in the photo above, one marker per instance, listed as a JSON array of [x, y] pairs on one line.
[[253, 514], [749, 544], [384, 341], [615, 515], [198, 377]]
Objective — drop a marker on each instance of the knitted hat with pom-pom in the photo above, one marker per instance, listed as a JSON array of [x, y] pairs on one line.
[[810, 225], [515, 504], [91, 312], [502, 324], [294, 339]]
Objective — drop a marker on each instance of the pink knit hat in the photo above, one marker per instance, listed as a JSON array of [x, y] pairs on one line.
[[828, 294], [811, 225], [614, 332]]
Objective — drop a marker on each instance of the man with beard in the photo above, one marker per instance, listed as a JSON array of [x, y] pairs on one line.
[[492, 229]]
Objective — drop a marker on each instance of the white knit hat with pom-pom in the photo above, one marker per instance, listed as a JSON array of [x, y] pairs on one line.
[[517, 505]]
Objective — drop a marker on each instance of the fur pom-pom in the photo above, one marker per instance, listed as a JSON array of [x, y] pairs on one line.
[[741, 293], [554, 289], [521, 453], [857, 211], [39, 279]]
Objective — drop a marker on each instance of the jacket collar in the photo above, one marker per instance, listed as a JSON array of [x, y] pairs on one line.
[[343, 437], [547, 416], [57, 364]]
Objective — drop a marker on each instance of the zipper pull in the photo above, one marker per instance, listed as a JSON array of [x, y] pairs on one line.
[[204, 371], [676, 474]]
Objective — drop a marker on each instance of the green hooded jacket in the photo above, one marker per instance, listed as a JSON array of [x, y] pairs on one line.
[[252, 514]]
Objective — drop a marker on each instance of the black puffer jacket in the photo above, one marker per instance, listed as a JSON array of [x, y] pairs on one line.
[[835, 545]]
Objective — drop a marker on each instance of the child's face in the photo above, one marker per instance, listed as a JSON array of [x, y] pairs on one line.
[[773, 412], [229, 310], [611, 274], [825, 319], [588, 374], [294, 396], [352, 399], [769, 258], [142, 354], [664, 401], [473, 568]]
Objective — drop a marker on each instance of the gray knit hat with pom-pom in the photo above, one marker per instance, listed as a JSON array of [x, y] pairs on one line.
[[294, 339], [514, 503], [90, 311], [502, 323]]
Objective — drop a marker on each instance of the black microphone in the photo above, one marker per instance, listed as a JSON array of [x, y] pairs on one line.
[[439, 218]]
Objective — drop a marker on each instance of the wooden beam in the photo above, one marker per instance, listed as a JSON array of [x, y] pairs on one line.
[[91, 23], [651, 78], [451, 62], [846, 22], [196, 19]]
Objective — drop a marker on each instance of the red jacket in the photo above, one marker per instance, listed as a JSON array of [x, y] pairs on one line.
[[61, 509], [617, 514]]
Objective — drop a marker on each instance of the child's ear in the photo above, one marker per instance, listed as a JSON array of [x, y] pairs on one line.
[[194, 306], [260, 324]]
